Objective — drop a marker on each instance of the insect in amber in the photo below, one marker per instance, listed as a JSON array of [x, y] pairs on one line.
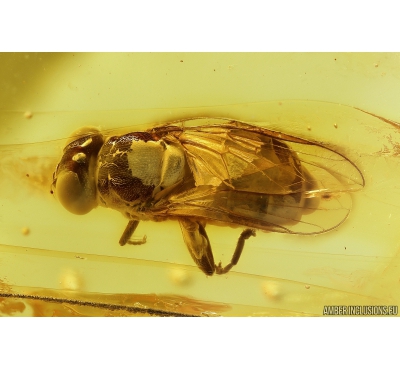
[[208, 171]]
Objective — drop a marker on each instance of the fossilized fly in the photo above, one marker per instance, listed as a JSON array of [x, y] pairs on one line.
[[208, 171]]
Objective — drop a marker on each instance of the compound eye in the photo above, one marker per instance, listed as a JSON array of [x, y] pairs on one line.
[[77, 198], [74, 181]]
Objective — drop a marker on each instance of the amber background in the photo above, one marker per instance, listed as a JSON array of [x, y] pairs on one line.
[[77, 258]]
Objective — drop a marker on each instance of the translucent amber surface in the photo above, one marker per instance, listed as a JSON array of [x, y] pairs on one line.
[[53, 263]]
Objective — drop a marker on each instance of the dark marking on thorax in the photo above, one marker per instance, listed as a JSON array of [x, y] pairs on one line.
[[115, 176]]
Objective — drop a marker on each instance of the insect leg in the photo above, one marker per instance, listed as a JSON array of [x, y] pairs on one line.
[[129, 230], [198, 244], [246, 234]]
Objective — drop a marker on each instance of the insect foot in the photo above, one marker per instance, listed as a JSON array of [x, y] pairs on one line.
[[138, 241], [246, 234]]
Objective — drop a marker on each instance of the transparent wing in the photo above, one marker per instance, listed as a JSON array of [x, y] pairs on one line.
[[251, 176]]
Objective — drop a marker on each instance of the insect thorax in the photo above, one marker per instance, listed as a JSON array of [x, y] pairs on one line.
[[134, 168]]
